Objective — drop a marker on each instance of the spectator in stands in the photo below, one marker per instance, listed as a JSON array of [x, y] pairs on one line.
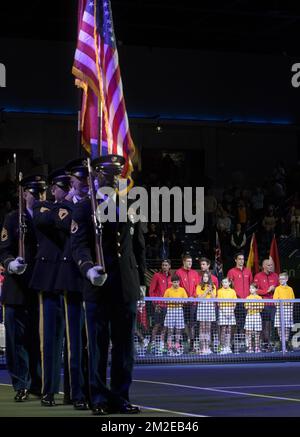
[[267, 281], [224, 228], [175, 247], [175, 316], [257, 202], [241, 278], [283, 291], [238, 239], [205, 268], [253, 324], [295, 216], [210, 208], [242, 214], [152, 242], [224, 223], [189, 279], [226, 318], [269, 223], [158, 285], [206, 312]]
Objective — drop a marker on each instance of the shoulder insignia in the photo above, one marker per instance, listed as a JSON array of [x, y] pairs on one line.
[[43, 209], [4, 234], [62, 213], [74, 227]]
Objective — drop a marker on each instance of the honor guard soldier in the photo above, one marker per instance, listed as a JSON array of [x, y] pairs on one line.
[[19, 300], [43, 280], [70, 282], [110, 299]]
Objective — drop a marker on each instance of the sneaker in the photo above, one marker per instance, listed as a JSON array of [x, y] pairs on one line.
[[249, 351], [257, 350]]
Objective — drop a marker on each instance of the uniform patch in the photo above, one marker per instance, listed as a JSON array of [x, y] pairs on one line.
[[74, 227], [43, 209], [4, 234], [62, 213]]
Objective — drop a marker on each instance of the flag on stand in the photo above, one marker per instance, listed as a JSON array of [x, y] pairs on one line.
[[274, 255], [253, 260], [218, 260], [97, 72]]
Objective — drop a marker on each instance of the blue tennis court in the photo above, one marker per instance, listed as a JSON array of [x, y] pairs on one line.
[[227, 390]]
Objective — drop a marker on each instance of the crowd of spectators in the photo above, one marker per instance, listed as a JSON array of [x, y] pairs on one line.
[[235, 212]]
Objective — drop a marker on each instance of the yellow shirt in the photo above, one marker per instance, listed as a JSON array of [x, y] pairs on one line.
[[226, 293], [175, 293], [284, 292], [254, 308], [201, 293]]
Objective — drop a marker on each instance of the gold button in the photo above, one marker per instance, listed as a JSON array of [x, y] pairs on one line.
[[119, 255], [118, 234], [118, 244]]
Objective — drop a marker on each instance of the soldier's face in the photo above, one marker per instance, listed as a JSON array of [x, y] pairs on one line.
[[108, 180], [79, 185], [58, 193], [29, 199]]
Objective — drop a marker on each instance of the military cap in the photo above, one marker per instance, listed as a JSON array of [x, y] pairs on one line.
[[77, 167], [109, 164], [34, 183], [60, 178]]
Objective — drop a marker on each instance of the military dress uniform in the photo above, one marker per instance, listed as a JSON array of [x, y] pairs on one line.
[[49, 255], [70, 282], [20, 301], [111, 308]]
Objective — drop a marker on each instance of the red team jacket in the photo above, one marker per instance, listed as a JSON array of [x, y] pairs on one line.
[[264, 281], [241, 281], [189, 279], [159, 283]]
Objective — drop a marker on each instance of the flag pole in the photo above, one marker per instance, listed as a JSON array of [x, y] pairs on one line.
[[79, 103], [100, 123]]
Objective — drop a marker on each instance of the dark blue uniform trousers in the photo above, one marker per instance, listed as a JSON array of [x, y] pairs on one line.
[[114, 320], [51, 339], [74, 324], [22, 346]]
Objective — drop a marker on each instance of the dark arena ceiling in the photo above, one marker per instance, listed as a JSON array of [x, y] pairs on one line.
[[257, 26]]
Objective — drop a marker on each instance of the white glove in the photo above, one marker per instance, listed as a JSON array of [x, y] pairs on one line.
[[17, 266], [96, 276], [143, 291]]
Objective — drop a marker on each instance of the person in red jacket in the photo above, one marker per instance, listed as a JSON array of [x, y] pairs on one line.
[[205, 268], [159, 283], [189, 279], [241, 278], [267, 281]]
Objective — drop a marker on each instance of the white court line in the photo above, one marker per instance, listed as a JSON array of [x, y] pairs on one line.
[[160, 410], [218, 390], [260, 386], [171, 411]]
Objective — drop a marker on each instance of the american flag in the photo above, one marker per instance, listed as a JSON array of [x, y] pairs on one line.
[[96, 67]]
